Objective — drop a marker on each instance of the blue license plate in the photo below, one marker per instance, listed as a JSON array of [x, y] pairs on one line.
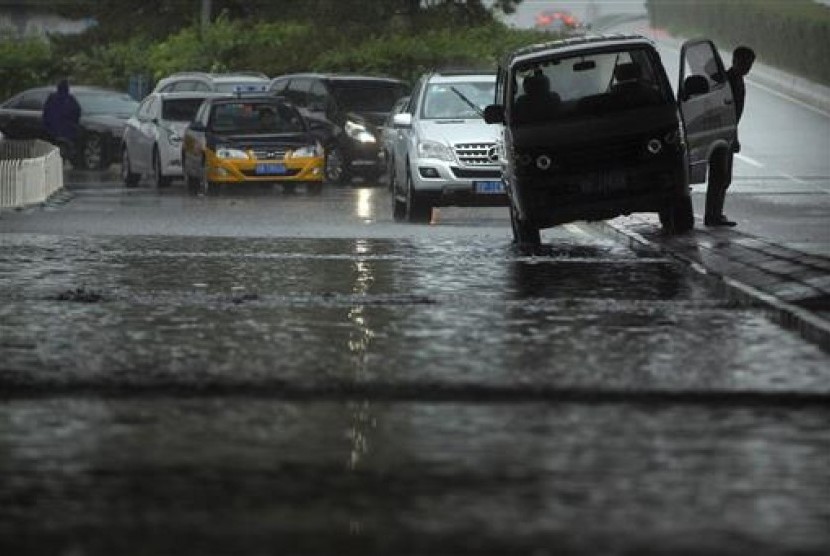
[[270, 169], [488, 187]]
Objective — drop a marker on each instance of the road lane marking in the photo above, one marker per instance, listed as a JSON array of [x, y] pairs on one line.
[[750, 161], [787, 97]]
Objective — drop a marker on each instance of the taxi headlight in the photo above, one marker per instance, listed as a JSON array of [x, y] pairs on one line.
[[306, 151], [226, 153], [358, 132], [434, 149]]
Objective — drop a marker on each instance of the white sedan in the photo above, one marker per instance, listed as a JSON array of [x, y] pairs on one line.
[[152, 141]]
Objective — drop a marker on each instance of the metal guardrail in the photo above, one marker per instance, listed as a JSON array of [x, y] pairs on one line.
[[30, 171]]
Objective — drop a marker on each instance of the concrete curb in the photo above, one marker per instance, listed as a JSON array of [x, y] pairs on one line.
[[809, 326]]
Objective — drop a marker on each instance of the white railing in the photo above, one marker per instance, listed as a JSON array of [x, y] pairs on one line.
[[30, 171]]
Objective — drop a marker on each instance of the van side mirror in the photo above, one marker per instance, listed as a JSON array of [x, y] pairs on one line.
[[695, 85], [494, 114], [404, 120]]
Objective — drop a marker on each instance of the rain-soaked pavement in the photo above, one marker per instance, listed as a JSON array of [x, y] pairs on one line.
[[289, 374]]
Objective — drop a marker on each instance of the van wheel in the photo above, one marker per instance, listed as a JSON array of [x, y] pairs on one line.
[[679, 218], [524, 232], [418, 210]]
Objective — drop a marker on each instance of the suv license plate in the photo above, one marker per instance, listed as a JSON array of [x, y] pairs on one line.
[[488, 187], [270, 169]]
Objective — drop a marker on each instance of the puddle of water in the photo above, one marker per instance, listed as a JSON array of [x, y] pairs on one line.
[[236, 475]]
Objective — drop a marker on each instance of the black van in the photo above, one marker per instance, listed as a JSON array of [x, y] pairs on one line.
[[591, 130], [346, 112]]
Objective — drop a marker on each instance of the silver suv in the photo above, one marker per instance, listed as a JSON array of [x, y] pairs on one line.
[[444, 153], [232, 82]]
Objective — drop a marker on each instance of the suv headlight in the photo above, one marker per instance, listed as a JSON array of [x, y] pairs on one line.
[[358, 132], [306, 151], [434, 149], [230, 153]]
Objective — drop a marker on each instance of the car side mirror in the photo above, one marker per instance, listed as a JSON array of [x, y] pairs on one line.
[[494, 114], [695, 85], [402, 120]]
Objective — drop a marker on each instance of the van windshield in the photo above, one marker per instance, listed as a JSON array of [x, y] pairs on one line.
[[582, 86]]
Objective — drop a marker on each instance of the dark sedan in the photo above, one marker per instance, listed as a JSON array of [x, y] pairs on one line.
[[103, 115]]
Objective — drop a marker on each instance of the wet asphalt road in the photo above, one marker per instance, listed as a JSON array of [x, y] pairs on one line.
[[295, 374]]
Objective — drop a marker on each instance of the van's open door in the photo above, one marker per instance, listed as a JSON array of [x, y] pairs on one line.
[[706, 105]]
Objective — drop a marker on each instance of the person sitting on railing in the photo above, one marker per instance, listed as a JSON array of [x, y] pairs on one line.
[[61, 116]]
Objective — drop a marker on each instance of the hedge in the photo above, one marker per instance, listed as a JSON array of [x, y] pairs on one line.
[[792, 35]]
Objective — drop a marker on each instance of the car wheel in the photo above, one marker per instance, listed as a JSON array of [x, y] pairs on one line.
[[524, 232], [335, 169], [159, 179], [678, 218], [130, 178], [207, 187], [418, 210], [92, 152]]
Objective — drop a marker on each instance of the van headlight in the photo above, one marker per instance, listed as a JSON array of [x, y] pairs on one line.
[[434, 149], [228, 153], [306, 151], [358, 132]]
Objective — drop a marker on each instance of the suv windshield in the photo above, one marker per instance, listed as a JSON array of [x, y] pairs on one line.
[[255, 118], [180, 109], [579, 86], [461, 100], [364, 96]]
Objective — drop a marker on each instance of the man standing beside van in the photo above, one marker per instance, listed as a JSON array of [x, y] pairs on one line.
[[742, 59]]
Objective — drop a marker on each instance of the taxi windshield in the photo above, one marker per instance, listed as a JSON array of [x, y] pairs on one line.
[[255, 118]]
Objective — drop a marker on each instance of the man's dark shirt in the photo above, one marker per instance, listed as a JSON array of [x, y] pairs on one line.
[[736, 81]]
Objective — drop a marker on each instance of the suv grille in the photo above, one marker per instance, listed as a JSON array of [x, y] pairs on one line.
[[477, 154], [269, 154]]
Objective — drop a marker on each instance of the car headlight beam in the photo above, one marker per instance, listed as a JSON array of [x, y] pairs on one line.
[[228, 153], [358, 132]]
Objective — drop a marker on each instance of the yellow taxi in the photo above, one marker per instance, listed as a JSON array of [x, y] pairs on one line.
[[239, 140]]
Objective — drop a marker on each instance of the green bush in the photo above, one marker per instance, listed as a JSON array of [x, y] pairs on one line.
[[274, 48], [792, 35], [23, 64]]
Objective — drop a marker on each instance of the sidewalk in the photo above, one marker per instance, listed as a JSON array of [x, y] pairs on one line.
[[792, 286]]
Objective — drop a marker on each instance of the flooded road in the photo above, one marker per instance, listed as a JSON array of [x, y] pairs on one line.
[[270, 373]]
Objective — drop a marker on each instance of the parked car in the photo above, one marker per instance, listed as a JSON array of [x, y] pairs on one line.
[[345, 112], [230, 82], [445, 154], [103, 115], [610, 138], [152, 142], [388, 132], [242, 140]]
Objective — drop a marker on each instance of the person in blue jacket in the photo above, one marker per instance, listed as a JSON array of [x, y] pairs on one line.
[[61, 117]]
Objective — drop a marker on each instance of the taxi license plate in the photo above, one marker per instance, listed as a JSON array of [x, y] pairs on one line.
[[270, 169], [488, 187]]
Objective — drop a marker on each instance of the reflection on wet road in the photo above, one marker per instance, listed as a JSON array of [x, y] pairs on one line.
[[433, 390]]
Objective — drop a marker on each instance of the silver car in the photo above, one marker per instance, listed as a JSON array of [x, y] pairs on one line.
[[152, 141], [444, 152]]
